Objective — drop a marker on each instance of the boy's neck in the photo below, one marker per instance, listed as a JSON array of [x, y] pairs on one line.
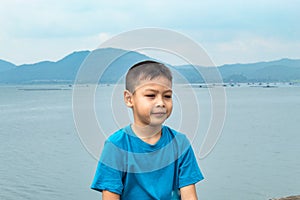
[[149, 134]]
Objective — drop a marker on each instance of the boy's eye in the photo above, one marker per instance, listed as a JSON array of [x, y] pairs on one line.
[[150, 95], [168, 96]]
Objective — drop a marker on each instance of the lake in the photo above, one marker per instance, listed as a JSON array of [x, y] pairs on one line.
[[256, 157]]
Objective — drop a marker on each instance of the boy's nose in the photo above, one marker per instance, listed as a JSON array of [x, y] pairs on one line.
[[160, 102]]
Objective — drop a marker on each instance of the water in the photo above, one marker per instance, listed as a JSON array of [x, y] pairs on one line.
[[257, 156]]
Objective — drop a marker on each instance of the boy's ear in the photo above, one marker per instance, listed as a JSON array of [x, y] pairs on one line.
[[128, 98]]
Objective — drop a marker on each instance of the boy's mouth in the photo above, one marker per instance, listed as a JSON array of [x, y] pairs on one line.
[[159, 114]]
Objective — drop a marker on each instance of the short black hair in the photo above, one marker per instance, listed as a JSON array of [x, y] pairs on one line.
[[144, 70]]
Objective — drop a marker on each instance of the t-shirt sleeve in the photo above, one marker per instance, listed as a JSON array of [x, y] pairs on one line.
[[108, 174], [189, 171]]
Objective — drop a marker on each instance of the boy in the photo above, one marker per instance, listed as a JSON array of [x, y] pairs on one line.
[[147, 160]]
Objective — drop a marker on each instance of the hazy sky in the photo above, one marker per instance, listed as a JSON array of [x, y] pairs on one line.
[[231, 31]]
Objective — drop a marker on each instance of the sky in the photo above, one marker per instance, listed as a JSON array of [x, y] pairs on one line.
[[230, 31]]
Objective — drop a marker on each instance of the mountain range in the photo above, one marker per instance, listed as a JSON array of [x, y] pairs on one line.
[[65, 70]]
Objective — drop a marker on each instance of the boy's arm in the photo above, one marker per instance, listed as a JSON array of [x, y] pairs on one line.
[[107, 195], [188, 192]]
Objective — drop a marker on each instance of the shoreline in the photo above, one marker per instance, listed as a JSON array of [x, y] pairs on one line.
[[297, 197]]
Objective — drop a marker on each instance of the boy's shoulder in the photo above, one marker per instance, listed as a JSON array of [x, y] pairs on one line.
[[172, 131], [118, 137], [179, 138]]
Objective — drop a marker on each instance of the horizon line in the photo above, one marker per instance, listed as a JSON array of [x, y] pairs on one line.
[[178, 64]]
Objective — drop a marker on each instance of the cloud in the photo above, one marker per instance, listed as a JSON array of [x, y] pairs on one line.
[[31, 50], [215, 24], [253, 48], [47, 19]]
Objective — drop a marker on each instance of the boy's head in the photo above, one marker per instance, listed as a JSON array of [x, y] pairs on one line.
[[145, 70], [149, 93]]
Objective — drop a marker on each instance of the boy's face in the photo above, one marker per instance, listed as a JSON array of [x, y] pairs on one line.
[[151, 101]]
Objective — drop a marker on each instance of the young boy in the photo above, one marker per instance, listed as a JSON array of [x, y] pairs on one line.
[[147, 160]]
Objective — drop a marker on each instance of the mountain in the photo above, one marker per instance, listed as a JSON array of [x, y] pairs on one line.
[[5, 66], [46, 71], [65, 70], [118, 61], [283, 70]]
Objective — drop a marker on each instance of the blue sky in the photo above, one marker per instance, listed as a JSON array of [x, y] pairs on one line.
[[230, 31]]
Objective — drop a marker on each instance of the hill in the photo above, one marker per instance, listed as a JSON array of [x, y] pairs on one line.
[[284, 70], [6, 66], [65, 70], [46, 71]]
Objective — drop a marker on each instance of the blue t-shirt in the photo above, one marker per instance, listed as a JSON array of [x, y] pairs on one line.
[[137, 170]]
